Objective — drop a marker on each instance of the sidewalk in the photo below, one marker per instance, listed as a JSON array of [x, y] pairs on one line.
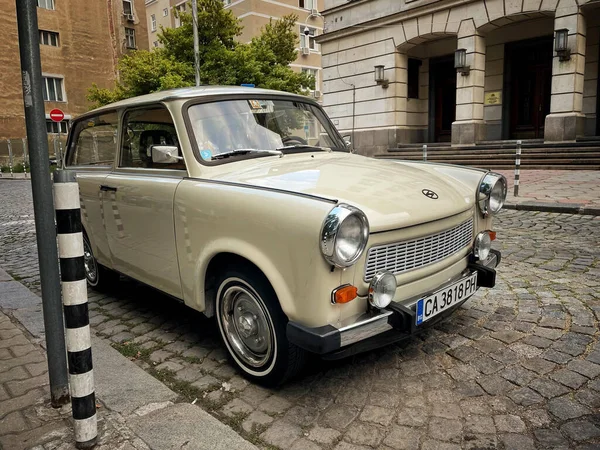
[[135, 410], [560, 191]]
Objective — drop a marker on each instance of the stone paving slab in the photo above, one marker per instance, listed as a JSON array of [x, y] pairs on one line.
[[121, 385], [559, 191], [514, 368], [188, 427]]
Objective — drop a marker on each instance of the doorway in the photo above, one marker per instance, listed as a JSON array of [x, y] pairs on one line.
[[529, 77], [442, 98]]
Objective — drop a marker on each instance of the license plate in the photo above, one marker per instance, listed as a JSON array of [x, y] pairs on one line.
[[445, 298]]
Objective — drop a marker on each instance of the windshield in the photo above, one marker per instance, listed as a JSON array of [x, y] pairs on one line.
[[259, 127]]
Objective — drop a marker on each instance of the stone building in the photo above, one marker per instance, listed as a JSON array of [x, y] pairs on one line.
[[527, 69], [254, 15], [80, 43]]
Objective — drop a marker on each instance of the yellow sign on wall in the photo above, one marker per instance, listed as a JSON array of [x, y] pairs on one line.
[[493, 98]]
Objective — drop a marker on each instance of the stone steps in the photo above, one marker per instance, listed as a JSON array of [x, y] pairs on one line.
[[563, 156]]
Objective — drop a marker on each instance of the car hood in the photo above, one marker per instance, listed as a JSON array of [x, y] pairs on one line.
[[389, 192]]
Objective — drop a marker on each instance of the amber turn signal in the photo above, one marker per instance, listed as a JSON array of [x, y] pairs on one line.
[[492, 235], [345, 294]]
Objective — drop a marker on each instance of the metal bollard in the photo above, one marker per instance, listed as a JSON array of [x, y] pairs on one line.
[[10, 157], [77, 321], [517, 168], [56, 148], [424, 152], [25, 156]]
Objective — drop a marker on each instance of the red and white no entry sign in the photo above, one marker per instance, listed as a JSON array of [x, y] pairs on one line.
[[57, 115]]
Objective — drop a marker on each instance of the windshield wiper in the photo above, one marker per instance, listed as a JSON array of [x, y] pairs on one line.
[[244, 151], [304, 146]]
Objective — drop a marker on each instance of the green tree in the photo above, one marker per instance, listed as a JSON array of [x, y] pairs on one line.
[[223, 60]]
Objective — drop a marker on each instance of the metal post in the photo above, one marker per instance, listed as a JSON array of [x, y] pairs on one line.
[[424, 152], [43, 204], [10, 157], [75, 301], [196, 41], [25, 156], [55, 142], [517, 168]]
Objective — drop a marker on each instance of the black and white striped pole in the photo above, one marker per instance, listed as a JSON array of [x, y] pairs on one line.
[[517, 168], [75, 305]]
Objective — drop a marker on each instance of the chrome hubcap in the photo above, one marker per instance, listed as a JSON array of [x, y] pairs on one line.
[[89, 262], [246, 326]]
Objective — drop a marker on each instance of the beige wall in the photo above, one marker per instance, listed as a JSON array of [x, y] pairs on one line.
[[91, 41]]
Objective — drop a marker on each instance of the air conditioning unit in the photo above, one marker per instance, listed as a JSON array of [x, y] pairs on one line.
[[128, 17], [317, 94], [305, 51], [314, 12]]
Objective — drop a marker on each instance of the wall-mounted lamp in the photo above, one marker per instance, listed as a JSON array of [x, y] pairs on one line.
[[380, 78], [460, 61], [561, 44]]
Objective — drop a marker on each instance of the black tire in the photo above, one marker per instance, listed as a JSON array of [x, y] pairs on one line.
[[101, 279], [284, 360]]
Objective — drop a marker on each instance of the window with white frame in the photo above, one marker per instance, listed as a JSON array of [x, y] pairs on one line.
[[165, 12], [52, 89], [307, 4], [127, 8], [129, 38], [308, 41], [46, 4], [180, 8], [314, 73], [49, 38], [152, 22], [56, 127]]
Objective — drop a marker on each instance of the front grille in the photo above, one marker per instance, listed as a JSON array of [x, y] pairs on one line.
[[403, 256]]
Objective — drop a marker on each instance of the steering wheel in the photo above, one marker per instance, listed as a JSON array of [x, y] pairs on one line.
[[291, 140]]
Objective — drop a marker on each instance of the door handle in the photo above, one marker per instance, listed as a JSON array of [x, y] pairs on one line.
[[104, 187]]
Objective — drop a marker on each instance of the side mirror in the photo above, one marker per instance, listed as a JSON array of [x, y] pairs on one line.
[[347, 140], [165, 154]]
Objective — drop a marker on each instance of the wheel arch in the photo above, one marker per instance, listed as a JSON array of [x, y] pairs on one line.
[[221, 261]]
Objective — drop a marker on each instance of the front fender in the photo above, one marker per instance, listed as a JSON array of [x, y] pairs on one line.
[[253, 254]]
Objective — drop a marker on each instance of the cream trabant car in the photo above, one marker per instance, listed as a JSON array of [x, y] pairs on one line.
[[247, 205]]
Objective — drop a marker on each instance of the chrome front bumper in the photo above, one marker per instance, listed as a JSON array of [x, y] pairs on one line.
[[378, 327]]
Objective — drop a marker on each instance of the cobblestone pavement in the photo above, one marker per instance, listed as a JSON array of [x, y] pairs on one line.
[[26, 418], [518, 367]]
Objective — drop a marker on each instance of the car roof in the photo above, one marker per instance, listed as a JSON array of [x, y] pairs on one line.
[[192, 92]]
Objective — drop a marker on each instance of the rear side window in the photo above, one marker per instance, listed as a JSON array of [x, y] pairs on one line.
[[94, 141]]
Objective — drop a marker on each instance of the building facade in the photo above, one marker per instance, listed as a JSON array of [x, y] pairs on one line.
[[78, 46], [254, 15], [461, 71]]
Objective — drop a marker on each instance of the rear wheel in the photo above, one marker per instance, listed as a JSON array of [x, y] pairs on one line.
[[98, 277], [253, 328]]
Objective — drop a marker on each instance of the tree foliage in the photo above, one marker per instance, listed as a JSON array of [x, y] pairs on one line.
[[223, 60]]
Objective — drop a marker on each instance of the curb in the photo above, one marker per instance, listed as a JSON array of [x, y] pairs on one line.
[[561, 208]]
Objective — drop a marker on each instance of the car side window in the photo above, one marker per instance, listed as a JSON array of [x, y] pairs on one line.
[[144, 128], [94, 141]]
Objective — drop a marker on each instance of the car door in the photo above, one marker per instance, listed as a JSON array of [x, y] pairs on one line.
[[91, 153], [138, 198]]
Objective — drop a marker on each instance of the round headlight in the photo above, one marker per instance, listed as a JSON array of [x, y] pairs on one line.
[[482, 246], [491, 193], [382, 289], [344, 235]]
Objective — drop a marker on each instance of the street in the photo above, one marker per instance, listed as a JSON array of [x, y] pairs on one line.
[[518, 367]]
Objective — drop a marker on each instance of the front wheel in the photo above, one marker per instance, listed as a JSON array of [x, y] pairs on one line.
[[253, 328]]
